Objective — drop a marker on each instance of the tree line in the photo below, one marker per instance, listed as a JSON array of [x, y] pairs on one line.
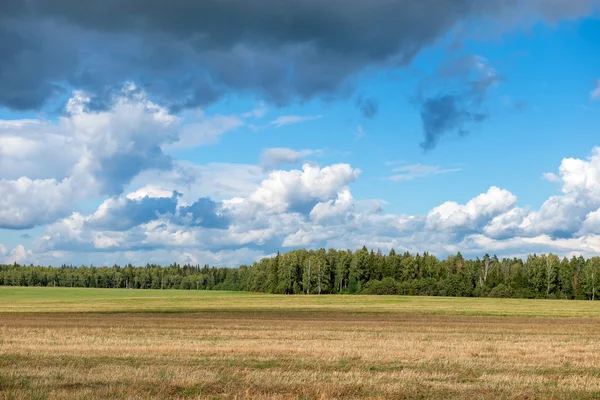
[[342, 271]]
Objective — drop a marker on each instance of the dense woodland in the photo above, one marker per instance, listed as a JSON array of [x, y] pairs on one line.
[[334, 271]]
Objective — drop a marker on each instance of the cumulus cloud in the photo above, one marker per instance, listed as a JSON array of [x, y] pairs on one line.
[[299, 190], [415, 171], [162, 256], [203, 212], [340, 207], [124, 213], [569, 215], [191, 53], [49, 167], [563, 216], [36, 149], [18, 254], [473, 215], [314, 207], [105, 150], [507, 224], [152, 218], [215, 180], [25, 203], [148, 218], [120, 142]]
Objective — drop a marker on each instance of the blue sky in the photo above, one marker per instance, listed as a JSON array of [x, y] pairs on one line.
[[176, 158]]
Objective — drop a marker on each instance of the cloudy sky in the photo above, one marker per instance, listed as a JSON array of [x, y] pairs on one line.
[[223, 131]]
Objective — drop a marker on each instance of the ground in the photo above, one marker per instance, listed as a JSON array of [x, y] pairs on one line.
[[118, 343]]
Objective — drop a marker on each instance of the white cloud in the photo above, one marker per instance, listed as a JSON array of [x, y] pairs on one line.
[[18, 255], [506, 224], [49, 167], [293, 119], [105, 150], [565, 215], [25, 203], [595, 94], [341, 207], [270, 211], [313, 207], [35, 149], [151, 191], [215, 180], [474, 214], [415, 171], [591, 223], [164, 256], [283, 190]]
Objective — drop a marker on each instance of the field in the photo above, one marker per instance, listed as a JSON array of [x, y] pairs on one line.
[[113, 343]]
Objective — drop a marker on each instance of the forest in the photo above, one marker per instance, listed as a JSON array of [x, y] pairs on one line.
[[344, 272]]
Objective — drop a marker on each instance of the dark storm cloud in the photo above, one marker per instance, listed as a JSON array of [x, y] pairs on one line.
[[189, 53]]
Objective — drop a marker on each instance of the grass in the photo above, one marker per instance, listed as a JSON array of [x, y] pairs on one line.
[[102, 343], [52, 300]]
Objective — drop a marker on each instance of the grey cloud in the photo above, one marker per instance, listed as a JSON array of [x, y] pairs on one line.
[[445, 114], [278, 156], [191, 52], [465, 82], [125, 213], [205, 213], [32, 63], [368, 107], [120, 168]]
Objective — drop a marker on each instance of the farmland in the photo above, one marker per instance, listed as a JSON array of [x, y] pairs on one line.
[[112, 343]]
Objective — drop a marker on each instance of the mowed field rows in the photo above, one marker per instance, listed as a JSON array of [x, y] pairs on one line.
[[92, 343]]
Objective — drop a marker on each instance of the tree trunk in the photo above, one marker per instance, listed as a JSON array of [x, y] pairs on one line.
[[486, 270], [319, 282]]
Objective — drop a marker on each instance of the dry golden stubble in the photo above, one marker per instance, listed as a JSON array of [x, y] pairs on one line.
[[295, 355]]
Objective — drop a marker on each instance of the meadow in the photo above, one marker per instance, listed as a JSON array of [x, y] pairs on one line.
[[134, 344]]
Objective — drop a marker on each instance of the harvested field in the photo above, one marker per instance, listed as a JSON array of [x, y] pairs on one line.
[[91, 343]]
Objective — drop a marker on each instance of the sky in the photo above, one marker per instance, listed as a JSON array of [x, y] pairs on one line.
[[222, 132]]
